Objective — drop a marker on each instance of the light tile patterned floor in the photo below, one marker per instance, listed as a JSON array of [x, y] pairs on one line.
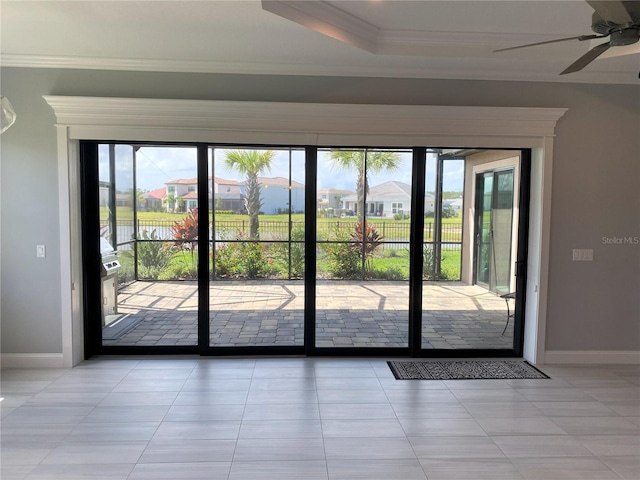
[[348, 314], [313, 418]]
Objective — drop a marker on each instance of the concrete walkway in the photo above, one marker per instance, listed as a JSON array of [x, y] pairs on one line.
[[348, 314]]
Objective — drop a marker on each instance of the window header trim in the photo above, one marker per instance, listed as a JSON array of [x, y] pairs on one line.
[[321, 124]]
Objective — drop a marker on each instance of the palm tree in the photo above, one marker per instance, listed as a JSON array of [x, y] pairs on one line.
[[375, 162], [170, 201], [251, 163]]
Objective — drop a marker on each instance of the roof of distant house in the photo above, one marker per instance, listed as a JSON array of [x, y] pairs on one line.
[[391, 190], [266, 181], [224, 181], [158, 193], [335, 191], [277, 182], [194, 181], [183, 181]]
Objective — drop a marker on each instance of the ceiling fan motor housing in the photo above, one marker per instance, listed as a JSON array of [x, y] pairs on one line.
[[621, 34], [624, 37]]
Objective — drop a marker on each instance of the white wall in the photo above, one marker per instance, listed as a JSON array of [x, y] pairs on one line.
[[592, 306]]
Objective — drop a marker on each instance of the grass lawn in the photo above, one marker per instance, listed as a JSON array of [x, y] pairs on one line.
[[125, 213], [391, 229]]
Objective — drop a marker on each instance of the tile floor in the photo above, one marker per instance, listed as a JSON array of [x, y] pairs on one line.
[[314, 418]]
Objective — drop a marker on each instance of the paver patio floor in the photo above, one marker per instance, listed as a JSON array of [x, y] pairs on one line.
[[348, 314]]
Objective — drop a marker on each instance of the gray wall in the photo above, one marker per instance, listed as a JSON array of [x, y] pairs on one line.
[[596, 187]]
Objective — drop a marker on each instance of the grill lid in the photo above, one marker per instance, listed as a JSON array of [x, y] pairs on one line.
[[105, 247], [110, 263]]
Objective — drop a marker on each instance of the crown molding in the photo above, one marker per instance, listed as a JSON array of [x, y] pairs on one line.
[[461, 72]]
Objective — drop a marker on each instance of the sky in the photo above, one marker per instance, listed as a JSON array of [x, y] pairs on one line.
[[158, 165]]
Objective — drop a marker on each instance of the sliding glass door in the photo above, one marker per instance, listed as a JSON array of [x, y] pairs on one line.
[[473, 234], [363, 224], [257, 251], [236, 249], [140, 247]]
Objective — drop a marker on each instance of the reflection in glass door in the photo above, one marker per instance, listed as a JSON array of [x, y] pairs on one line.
[[256, 280], [484, 235], [494, 225]]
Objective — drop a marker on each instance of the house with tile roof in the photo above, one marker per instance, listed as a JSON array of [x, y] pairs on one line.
[[388, 199], [230, 194], [331, 198], [153, 200]]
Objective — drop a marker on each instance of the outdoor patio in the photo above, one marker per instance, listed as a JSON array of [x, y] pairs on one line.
[[348, 314]]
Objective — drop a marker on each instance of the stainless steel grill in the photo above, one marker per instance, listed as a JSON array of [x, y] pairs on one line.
[[109, 258], [109, 275]]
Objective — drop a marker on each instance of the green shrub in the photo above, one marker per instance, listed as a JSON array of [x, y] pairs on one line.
[[449, 212], [344, 257], [427, 263], [345, 260], [251, 262], [153, 255], [388, 273], [224, 260], [297, 252], [449, 270], [177, 270], [152, 273], [289, 257], [126, 273], [242, 258]]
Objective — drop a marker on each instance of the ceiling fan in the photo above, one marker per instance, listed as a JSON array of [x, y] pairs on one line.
[[618, 20]]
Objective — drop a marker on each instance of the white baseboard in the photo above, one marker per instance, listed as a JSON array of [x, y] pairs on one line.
[[565, 357], [31, 360]]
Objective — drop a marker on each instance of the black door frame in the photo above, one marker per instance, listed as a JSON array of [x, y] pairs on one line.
[[92, 283]]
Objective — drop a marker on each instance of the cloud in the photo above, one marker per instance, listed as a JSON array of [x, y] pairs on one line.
[[157, 165]]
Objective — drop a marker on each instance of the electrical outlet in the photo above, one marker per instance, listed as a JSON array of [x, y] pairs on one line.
[[583, 254], [40, 251]]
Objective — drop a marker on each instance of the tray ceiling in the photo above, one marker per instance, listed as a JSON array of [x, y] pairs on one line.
[[382, 38]]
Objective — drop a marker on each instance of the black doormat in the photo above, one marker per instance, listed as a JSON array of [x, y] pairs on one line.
[[464, 370]]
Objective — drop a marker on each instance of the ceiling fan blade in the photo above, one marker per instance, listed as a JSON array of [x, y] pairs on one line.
[[612, 11], [579, 37], [586, 59]]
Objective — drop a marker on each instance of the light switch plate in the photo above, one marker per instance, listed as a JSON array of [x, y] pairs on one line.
[[583, 254], [40, 251]]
